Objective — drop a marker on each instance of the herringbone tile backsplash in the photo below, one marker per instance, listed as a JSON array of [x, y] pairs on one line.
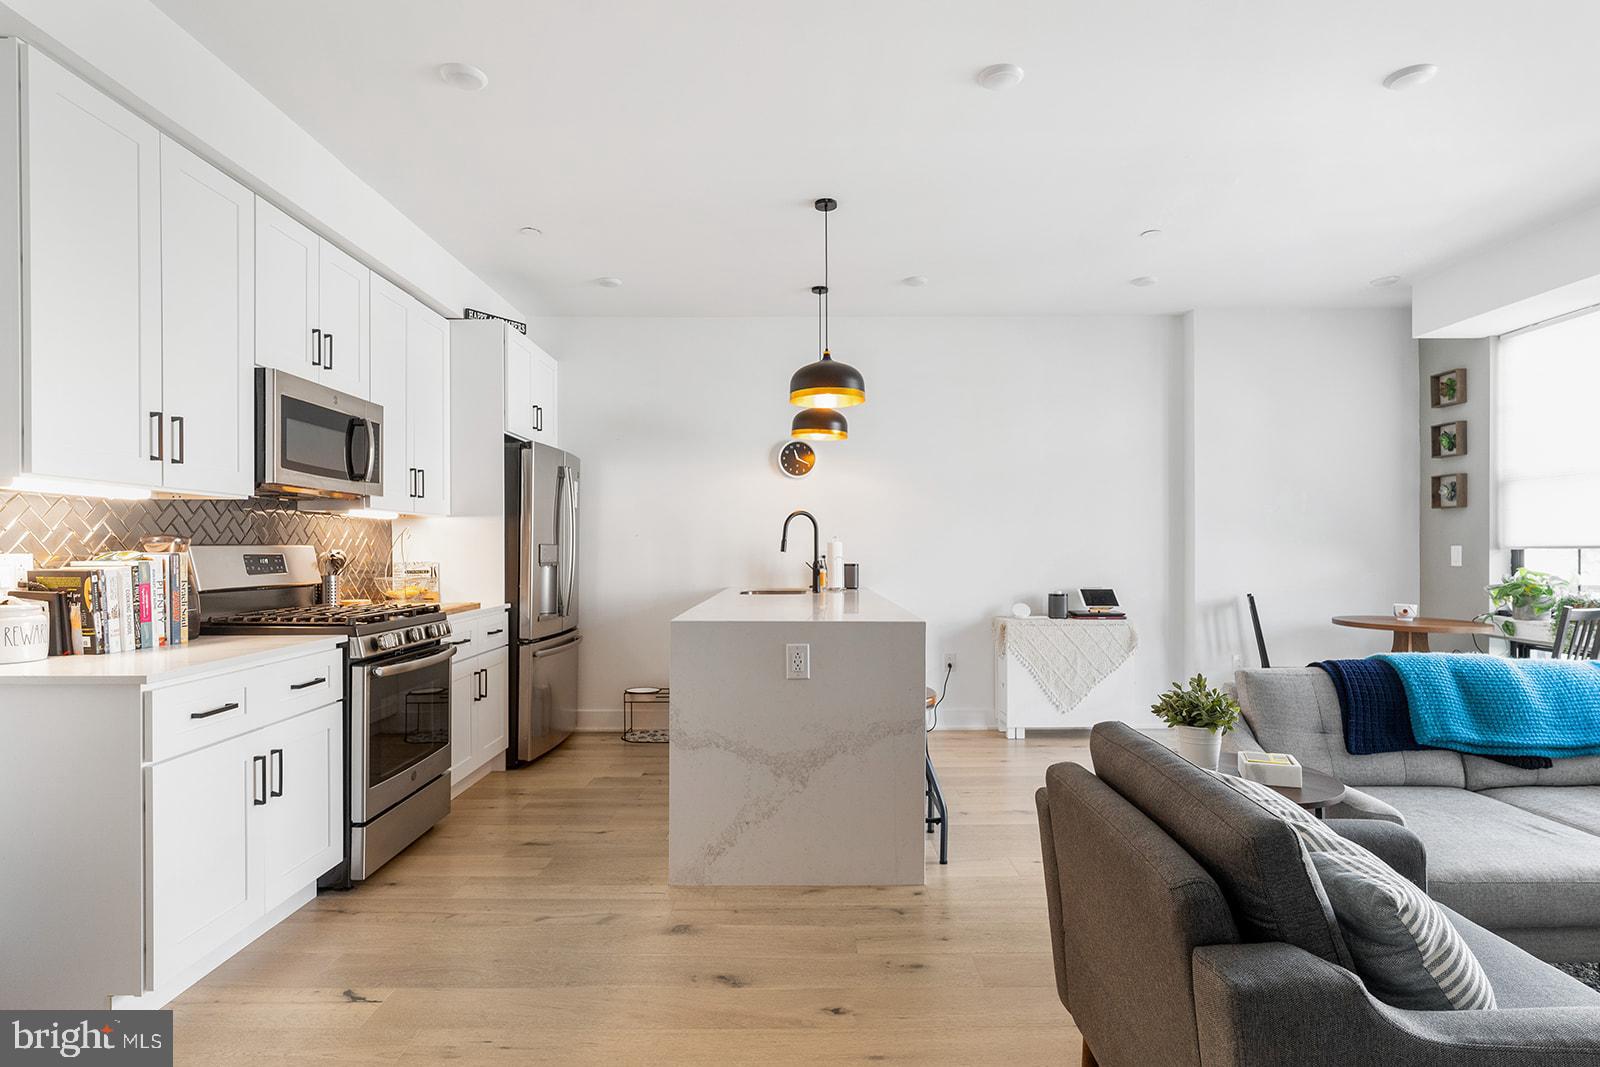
[[59, 528]]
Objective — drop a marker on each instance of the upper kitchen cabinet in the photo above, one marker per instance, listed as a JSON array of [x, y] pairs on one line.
[[411, 379], [311, 305], [89, 278], [530, 390], [207, 327]]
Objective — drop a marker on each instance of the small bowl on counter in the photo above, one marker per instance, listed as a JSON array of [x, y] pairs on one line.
[[407, 589]]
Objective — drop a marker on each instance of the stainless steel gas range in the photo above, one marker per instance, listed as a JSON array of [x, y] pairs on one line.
[[397, 691]]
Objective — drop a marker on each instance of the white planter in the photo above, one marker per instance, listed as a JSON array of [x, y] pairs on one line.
[[1542, 631], [1199, 746]]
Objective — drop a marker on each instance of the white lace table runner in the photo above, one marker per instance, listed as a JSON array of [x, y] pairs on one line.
[[1067, 657]]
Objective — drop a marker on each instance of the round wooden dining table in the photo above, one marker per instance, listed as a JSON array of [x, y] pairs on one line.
[[1411, 635]]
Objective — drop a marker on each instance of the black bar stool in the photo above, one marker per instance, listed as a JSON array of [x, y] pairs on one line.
[[936, 795]]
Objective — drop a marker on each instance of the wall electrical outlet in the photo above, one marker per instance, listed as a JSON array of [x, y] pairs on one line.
[[797, 661], [1455, 555], [950, 660]]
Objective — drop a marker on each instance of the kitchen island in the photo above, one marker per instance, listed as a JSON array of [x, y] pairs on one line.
[[796, 781]]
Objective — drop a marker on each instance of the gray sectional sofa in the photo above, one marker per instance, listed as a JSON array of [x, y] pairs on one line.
[[1188, 933], [1516, 851]]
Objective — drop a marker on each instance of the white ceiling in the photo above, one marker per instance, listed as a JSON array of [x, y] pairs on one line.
[[678, 145]]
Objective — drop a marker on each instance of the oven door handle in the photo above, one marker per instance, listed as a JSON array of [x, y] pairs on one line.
[[413, 665]]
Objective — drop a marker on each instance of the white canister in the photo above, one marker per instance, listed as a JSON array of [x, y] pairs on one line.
[[835, 557], [24, 631]]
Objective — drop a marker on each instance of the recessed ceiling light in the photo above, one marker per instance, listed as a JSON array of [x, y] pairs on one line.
[[529, 231], [1144, 281], [916, 281], [1410, 77], [1150, 235], [463, 76], [609, 282], [999, 76], [1384, 281]]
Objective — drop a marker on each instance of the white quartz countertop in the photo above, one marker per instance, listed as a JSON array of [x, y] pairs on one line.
[[159, 666], [830, 605]]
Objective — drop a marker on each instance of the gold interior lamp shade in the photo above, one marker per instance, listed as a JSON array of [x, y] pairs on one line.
[[819, 424], [827, 383]]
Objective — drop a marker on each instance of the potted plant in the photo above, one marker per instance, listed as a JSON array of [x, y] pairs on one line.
[[1524, 604], [1200, 715]]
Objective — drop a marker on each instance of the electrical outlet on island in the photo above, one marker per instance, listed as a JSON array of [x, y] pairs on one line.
[[797, 661]]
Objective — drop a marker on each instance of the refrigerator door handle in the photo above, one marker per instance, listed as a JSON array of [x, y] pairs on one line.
[[561, 541], [569, 574]]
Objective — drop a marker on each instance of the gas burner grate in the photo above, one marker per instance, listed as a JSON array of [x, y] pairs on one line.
[[320, 615]]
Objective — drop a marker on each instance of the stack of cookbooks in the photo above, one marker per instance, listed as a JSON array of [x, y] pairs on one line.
[[115, 602]]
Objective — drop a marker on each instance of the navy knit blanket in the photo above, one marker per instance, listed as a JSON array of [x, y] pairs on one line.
[[1376, 715]]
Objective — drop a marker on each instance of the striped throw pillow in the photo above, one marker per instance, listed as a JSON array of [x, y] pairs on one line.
[[1402, 943]]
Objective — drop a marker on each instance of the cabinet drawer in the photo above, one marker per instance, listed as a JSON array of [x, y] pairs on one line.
[[491, 632], [195, 714], [280, 690]]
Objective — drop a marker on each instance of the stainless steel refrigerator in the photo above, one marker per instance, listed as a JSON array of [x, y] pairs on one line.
[[542, 587]]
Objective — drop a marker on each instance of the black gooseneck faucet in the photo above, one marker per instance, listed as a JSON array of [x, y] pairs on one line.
[[816, 540]]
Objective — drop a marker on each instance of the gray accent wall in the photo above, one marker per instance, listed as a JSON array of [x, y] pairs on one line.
[[1457, 592]]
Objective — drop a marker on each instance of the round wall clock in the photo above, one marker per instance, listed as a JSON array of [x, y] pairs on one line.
[[796, 458]]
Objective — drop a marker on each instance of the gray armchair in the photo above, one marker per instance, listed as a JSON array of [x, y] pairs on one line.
[[1214, 952]]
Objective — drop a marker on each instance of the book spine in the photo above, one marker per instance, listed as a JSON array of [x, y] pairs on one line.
[[183, 602], [157, 566], [177, 613], [146, 603], [110, 635], [130, 608]]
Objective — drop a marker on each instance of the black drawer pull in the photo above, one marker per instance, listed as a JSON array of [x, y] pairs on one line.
[[308, 685], [213, 711], [491, 633], [276, 754], [258, 795]]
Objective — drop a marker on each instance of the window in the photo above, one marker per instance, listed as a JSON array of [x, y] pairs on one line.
[[1548, 455]]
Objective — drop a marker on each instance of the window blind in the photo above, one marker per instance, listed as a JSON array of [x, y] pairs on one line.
[[1547, 459]]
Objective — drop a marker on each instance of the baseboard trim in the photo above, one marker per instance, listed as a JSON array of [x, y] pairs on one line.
[[609, 720]]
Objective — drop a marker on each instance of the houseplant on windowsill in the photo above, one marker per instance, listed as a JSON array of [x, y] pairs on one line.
[[1200, 715], [1525, 603]]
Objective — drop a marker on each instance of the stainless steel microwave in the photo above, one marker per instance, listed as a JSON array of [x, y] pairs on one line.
[[312, 441]]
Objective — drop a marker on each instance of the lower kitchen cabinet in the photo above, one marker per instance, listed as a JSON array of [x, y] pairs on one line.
[[480, 692], [234, 830]]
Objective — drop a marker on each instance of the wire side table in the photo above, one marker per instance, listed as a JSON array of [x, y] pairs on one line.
[[644, 697]]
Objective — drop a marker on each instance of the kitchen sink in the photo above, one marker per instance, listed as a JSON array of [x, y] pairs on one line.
[[773, 592]]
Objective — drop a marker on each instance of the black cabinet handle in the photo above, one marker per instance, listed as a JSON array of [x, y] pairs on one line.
[[277, 754], [308, 685], [491, 633], [156, 438], [328, 365], [258, 796], [463, 641], [422, 473], [485, 673], [316, 347], [538, 418], [213, 711], [179, 448]]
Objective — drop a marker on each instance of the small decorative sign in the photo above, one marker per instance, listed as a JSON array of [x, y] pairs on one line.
[[474, 313]]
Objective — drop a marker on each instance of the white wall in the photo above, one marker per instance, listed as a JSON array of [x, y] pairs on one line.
[[131, 49], [995, 460], [1306, 480]]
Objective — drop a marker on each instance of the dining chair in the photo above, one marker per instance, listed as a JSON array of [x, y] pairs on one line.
[[1255, 620], [1577, 634]]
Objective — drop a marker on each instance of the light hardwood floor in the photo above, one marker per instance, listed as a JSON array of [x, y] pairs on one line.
[[534, 925]]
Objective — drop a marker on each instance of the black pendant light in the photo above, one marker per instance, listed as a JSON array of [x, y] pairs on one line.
[[819, 424], [827, 383]]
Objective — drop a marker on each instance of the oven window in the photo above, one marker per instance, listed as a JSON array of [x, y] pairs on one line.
[[314, 439], [408, 719]]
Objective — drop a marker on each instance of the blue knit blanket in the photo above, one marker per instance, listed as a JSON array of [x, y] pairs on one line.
[[1372, 706], [1494, 706]]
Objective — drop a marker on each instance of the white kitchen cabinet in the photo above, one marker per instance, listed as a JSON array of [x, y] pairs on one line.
[[301, 831], [207, 327], [428, 407], [344, 287], [410, 348], [490, 725], [287, 293], [90, 237], [204, 875], [311, 305], [387, 332], [463, 699], [530, 390]]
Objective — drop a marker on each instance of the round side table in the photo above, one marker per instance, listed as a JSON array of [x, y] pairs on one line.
[[1317, 790]]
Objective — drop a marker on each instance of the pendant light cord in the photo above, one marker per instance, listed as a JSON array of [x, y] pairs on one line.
[[826, 288]]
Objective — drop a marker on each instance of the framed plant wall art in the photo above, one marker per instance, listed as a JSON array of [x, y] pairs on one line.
[[1448, 388], [1449, 490], [1449, 439]]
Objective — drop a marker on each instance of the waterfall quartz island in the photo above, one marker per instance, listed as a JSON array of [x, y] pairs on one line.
[[779, 781]]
